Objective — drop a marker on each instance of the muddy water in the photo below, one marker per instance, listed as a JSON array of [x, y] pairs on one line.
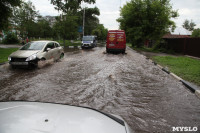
[[126, 85]]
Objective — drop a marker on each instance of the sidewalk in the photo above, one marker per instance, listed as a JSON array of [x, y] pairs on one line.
[[10, 46]]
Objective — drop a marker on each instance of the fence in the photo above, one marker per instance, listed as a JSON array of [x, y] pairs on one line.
[[186, 46]]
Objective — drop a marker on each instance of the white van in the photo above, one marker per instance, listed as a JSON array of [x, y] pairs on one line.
[[89, 42]]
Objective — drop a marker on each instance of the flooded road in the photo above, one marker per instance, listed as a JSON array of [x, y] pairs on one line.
[[127, 85]]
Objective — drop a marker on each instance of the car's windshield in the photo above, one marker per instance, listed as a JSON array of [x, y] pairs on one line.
[[88, 38], [34, 46]]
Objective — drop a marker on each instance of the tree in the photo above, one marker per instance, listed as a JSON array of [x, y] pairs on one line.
[[196, 33], [189, 25], [100, 32], [69, 5], [44, 29], [91, 19], [10, 38], [146, 20], [66, 27], [24, 18], [6, 7]]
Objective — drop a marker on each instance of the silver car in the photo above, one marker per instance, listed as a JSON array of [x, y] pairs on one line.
[[34, 117], [34, 51]]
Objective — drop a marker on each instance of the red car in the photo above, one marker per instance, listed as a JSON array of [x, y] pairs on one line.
[[116, 41]]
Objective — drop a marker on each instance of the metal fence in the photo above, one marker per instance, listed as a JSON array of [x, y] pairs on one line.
[[186, 46]]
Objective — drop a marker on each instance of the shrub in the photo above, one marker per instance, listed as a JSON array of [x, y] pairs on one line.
[[11, 38]]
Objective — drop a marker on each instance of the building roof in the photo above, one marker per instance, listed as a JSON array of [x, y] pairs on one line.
[[171, 36]]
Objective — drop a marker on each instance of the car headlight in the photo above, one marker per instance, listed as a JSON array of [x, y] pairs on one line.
[[9, 58], [32, 57]]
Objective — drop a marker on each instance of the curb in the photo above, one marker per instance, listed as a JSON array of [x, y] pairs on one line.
[[175, 76], [165, 70], [192, 88], [3, 63], [197, 92], [72, 46], [189, 86]]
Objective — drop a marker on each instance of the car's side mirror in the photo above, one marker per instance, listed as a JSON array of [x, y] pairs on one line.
[[48, 49]]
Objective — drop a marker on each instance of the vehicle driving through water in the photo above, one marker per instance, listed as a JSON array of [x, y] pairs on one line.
[[89, 42]]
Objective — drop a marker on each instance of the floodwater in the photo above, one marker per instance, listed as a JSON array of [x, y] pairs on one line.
[[128, 85]]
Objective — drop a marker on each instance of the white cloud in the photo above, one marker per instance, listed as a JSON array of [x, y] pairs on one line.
[[44, 7], [188, 9]]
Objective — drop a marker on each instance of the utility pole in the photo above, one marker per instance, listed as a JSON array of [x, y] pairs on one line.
[[119, 9], [83, 17]]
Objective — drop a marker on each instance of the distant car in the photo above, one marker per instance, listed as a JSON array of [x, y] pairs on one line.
[[34, 117], [116, 41], [89, 42], [34, 51]]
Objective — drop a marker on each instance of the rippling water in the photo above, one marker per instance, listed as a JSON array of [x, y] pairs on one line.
[[127, 85]]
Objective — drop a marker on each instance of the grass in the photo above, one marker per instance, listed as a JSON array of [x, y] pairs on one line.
[[69, 43], [185, 67], [145, 49], [5, 52]]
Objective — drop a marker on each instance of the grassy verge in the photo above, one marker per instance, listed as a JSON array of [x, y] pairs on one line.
[[5, 52], [69, 43], [145, 49], [185, 67]]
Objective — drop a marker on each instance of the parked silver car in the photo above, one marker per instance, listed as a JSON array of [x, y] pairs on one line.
[[32, 52]]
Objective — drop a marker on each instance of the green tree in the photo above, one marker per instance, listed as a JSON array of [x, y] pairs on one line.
[[44, 29], [66, 27], [189, 25], [91, 19], [146, 20], [100, 32], [69, 5], [24, 18], [10, 38], [196, 33], [6, 7]]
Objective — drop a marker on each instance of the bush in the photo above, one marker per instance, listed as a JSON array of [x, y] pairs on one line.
[[11, 38], [163, 47]]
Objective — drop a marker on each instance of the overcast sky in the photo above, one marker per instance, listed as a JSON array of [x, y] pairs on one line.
[[109, 9]]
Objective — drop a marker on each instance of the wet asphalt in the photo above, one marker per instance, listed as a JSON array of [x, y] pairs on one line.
[[128, 85]]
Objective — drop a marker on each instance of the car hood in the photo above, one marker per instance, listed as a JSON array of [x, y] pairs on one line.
[[24, 53], [33, 117]]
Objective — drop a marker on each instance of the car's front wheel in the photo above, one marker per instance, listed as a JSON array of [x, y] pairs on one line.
[[62, 56], [13, 66]]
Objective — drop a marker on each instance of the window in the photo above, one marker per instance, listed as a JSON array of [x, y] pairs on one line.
[[50, 45], [57, 45]]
